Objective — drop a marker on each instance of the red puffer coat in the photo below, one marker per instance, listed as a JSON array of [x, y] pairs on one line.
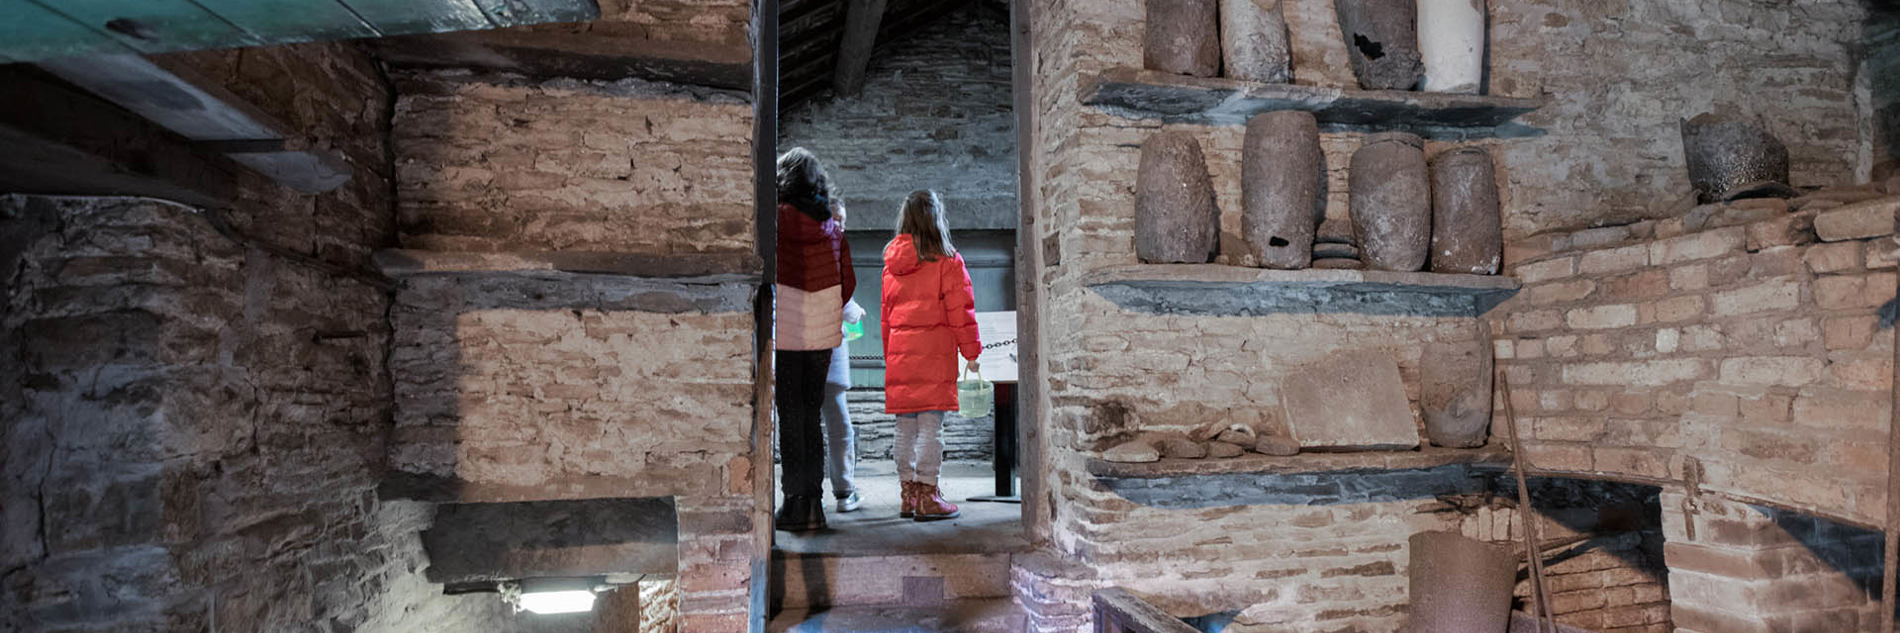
[[929, 319]]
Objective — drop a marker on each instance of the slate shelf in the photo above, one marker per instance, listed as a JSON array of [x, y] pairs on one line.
[[685, 268], [1216, 290], [1139, 93], [1304, 463]]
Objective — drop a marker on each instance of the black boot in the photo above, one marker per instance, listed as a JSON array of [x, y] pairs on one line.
[[801, 514]]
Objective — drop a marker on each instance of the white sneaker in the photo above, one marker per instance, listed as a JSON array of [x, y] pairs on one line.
[[850, 502]]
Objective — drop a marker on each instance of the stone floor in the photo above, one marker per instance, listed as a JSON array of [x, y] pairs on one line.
[[965, 616], [875, 529]]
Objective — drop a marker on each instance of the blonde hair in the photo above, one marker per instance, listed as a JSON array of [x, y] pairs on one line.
[[922, 219]]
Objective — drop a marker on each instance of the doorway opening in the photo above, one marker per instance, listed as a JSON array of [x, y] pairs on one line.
[[894, 96]]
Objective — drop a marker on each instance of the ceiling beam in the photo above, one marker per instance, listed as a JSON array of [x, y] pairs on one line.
[[61, 140], [861, 21]]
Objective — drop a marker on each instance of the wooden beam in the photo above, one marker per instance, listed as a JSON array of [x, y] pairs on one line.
[[61, 140], [594, 54], [861, 21]]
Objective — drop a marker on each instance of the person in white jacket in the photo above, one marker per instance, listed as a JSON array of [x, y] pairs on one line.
[[841, 440]]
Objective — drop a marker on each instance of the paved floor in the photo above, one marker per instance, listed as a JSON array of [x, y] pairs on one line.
[[970, 616], [876, 530]]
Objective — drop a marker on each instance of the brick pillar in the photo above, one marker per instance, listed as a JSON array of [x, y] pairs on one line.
[[1750, 569]]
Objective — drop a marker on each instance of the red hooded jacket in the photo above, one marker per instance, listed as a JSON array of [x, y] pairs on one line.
[[929, 316]]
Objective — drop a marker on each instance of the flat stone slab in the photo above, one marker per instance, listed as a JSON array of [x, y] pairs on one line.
[[702, 267], [1140, 93], [1216, 290], [593, 537], [1349, 401], [1304, 463]]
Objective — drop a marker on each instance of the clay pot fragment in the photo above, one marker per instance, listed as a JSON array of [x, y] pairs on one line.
[[1451, 44], [1283, 187], [1382, 37], [1454, 393], [1180, 448], [1391, 202], [1467, 230], [1183, 37], [1277, 445], [1176, 221], [1223, 450], [1731, 158], [1459, 584], [1254, 41]]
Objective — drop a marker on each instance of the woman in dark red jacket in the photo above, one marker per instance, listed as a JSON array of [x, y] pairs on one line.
[[929, 317], [814, 281]]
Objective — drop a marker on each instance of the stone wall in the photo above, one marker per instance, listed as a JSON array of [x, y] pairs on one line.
[[531, 385], [1738, 567], [935, 113], [505, 163], [963, 438], [1731, 345], [1618, 76], [194, 426]]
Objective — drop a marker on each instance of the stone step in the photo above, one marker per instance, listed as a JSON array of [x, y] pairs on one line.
[[803, 581], [959, 616]]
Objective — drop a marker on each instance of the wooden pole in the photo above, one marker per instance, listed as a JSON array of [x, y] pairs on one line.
[[1892, 548], [1540, 601]]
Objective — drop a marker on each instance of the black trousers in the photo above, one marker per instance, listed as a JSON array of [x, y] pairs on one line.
[[799, 393]]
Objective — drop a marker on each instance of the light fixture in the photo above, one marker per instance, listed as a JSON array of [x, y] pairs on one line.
[[551, 595]]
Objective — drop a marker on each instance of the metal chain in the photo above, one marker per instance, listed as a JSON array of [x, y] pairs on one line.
[[990, 346]]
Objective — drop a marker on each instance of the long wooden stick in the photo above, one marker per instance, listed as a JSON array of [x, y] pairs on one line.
[[1540, 600], [1891, 565]]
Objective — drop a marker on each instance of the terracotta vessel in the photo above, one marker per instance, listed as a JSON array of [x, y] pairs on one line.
[[1183, 37], [1283, 188], [1254, 41], [1391, 202], [1455, 393], [1459, 585], [1382, 38], [1467, 230], [1176, 221]]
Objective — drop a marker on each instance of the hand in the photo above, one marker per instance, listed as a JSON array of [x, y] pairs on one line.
[[972, 365]]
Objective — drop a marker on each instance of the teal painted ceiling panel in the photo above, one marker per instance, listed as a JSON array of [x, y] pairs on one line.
[[154, 26], [292, 20], [33, 30], [30, 31], [422, 16]]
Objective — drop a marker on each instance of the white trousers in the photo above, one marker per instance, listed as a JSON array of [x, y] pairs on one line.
[[919, 447]]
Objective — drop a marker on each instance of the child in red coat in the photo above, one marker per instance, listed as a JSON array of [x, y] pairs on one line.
[[929, 316]]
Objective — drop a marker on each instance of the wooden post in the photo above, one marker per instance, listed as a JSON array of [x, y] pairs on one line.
[[861, 21], [1540, 599], [1892, 547]]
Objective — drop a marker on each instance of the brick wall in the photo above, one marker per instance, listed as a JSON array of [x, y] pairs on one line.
[[1737, 567], [504, 163], [1613, 582], [193, 426], [1731, 336], [935, 113]]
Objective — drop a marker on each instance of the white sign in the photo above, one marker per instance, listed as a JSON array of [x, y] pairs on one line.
[[999, 362]]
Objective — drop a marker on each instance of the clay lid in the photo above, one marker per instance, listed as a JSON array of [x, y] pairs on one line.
[[1407, 138]]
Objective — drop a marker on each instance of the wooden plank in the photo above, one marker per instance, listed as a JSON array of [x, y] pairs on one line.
[[62, 141], [861, 20], [156, 26], [1118, 611], [198, 110], [521, 12], [286, 21], [31, 31], [394, 17]]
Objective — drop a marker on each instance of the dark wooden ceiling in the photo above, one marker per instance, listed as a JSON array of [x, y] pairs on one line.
[[810, 32]]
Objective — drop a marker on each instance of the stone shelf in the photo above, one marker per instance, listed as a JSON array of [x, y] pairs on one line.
[[1304, 463], [1138, 93], [1216, 290], [1307, 479], [692, 267]]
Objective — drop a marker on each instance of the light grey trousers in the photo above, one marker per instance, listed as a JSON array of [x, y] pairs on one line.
[[841, 442], [919, 447]]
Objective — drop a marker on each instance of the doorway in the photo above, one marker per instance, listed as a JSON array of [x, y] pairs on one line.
[[928, 103]]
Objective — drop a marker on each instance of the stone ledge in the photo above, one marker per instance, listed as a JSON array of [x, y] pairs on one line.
[[689, 267], [1304, 463], [1140, 93], [1216, 290]]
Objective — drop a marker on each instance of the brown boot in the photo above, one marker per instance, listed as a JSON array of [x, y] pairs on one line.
[[908, 508], [931, 506]]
